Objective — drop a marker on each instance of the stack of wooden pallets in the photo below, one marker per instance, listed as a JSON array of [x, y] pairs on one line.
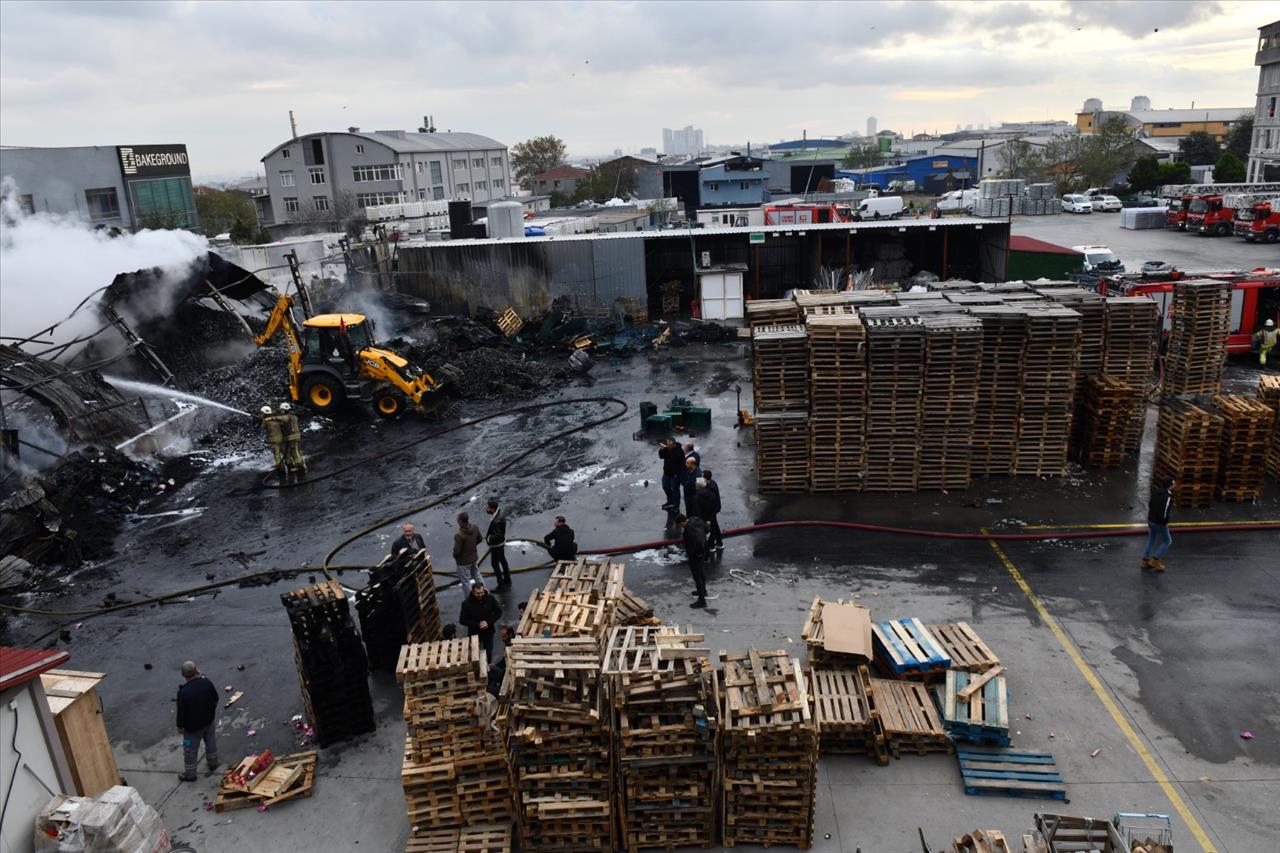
[[1197, 350], [332, 667], [1092, 310], [771, 312], [995, 429], [824, 303], [953, 351], [848, 722], [664, 699], [1131, 335], [391, 608], [1048, 391], [975, 708], [780, 368], [1104, 417], [908, 717], [782, 452], [579, 599], [905, 648], [1188, 437], [490, 838], [895, 370], [769, 747], [454, 769], [557, 738], [1247, 428], [838, 392], [1269, 393]]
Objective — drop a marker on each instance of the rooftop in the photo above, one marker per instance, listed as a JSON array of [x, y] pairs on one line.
[[18, 666], [405, 142], [565, 171], [1158, 116]]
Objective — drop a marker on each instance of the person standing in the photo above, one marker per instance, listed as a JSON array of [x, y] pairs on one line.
[[694, 537], [496, 538], [1158, 536], [708, 501], [480, 614], [498, 671], [692, 472], [691, 452], [466, 555], [672, 472], [1265, 340], [275, 437], [293, 457], [560, 542], [197, 706], [408, 540]]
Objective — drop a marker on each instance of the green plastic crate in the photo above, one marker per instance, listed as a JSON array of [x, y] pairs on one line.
[[697, 417]]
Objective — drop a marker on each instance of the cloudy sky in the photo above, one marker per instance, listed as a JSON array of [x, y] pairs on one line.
[[221, 77]]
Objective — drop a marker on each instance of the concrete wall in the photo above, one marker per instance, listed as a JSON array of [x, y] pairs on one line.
[[725, 186], [56, 179], [34, 732]]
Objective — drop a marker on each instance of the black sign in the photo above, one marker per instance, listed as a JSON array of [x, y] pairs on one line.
[[153, 161]]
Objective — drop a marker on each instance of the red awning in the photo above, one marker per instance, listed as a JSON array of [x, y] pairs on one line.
[[1019, 243], [18, 666]]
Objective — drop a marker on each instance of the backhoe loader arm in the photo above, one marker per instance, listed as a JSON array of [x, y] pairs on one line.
[[282, 319]]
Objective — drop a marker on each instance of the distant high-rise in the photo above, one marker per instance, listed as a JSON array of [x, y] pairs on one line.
[[686, 141], [871, 125]]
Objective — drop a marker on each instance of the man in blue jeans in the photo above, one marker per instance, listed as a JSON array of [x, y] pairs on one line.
[[673, 472], [1158, 536], [197, 706]]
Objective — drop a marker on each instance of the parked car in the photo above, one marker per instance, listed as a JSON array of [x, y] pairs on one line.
[[881, 207], [1077, 204], [1099, 259], [1105, 203], [958, 200]]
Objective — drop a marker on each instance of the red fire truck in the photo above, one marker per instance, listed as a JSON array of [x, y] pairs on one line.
[[1259, 221], [1255, 297], [807, 214], [1184, 199]]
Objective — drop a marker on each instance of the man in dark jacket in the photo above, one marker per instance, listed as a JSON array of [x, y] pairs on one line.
[[708, 503], [498, 671], [560, 541], [480, 614], [692, 472], [466, 552], [408, 541], [694, 537], [496, 538], [197, 705], [672, 472], [1158, 536]]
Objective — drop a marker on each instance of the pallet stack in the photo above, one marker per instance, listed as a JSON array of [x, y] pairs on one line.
[[848, 722], [491, 838], [1188, 437], [1247, 428], [953, 350], [782, 452], [1105, 414], [1197, 351], [771, 312], [1048, 391], [995, 428], [780, 373], [664, 699], [1131, 335], [908, 717], [837, 407], [332, 667], [769, 748], [1269, 393], [454, 771], [393, 610], [1093, 326], [579, 599], [557, 739], [895, 370]]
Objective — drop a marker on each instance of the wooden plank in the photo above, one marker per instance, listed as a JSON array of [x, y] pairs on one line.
[[976, 684]]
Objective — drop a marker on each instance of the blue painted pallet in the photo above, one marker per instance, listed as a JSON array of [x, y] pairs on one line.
[[983, 718], [907, 648], [1010, 773]]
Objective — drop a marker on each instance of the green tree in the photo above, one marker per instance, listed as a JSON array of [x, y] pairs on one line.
[[243, 230], [1199, 149], [1174, 173], [537, 155], [219, 209], [1240, 139], [863, 157], [1145, 173], [1019, 159], [1229, 169], [611, 179], [1106, 153], [559, 199]]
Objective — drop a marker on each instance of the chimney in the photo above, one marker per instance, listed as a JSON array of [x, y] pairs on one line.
[[293, 125], [353, 130]]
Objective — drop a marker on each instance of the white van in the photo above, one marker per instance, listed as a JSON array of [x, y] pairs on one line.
[[882, 207], [958, 200]]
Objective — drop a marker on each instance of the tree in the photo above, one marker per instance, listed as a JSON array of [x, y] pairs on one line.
[[1175, 173], [559, 199], [1240, 139], [1107, 153], [220, 209], [535, 156], [611, 179], [1145, 174], [343, 212], [1199, 148], [1229, 169], [1019, 159], [863, 157], [243, 230]]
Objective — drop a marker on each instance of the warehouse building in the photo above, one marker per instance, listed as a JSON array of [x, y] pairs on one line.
[[934, 173], [127, 186], [326, 176], [1217, 121]]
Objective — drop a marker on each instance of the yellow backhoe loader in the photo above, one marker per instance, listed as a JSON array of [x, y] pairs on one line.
[[333, 358]]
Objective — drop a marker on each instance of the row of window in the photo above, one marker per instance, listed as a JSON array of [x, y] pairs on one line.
[[714, 186], [374, 199], [476, 162], [384, 172], [291, 204]]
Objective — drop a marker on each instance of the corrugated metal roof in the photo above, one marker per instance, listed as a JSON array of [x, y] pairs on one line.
[[18, 666], [684, 234], [409, 143], [1157, 116]]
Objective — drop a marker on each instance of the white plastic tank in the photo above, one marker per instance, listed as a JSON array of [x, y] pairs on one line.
[[1092, 105], [506, 219], [1139, 103]]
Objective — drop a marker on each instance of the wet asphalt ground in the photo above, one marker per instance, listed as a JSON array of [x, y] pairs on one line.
[[1159, 673]]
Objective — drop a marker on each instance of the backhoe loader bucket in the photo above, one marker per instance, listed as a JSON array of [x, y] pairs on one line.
[[447, 374]]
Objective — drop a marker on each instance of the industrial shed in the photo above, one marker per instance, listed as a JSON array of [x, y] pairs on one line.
[[597, 270]]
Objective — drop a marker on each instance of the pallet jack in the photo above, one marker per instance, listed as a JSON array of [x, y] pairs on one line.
[[745, 418]]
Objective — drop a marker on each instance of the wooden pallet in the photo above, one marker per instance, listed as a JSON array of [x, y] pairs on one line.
[[1247, 431], [1103, 414], [1197, 348], [949, 399], [1131, 331], [814, 635], [1010, 773], [848, 722], [908, 717], [481, 838], [1269, 393], [964, 647], [292, 777], [1188, 442], [979, 714], [510, 323], [782, 452], [983, 841], [906, 649]]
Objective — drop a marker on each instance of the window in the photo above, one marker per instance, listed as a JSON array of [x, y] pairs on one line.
[[714, 186], [417, 167], [437, 173], [459, 164], [317, 175], [497, 183], [481, 185], [103, 203], [359, 149], [286, 178], [464, 188], [321, 202], [291, 204], [375, 199], [497, 161], [478, 162], [555, 183], [163, 203], [437, 193], [422, 194], [286, 153], [27, 203], [385, 172], [1271, 107], [317, 152], [744, 185]]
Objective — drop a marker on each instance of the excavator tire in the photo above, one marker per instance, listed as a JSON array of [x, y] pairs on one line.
[[388, 404], [323, 393]]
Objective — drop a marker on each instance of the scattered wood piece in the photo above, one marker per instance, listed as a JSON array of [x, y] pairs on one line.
[[235, 697], [974, 686]]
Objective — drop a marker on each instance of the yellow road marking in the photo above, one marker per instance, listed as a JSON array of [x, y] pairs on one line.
[[1114, 710], [1138, 525]]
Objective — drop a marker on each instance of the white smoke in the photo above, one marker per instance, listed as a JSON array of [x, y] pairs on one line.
[[49, 264]]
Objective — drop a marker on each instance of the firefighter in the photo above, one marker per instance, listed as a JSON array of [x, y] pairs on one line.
[[1265, 340], [275, 436], [292, 441]]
